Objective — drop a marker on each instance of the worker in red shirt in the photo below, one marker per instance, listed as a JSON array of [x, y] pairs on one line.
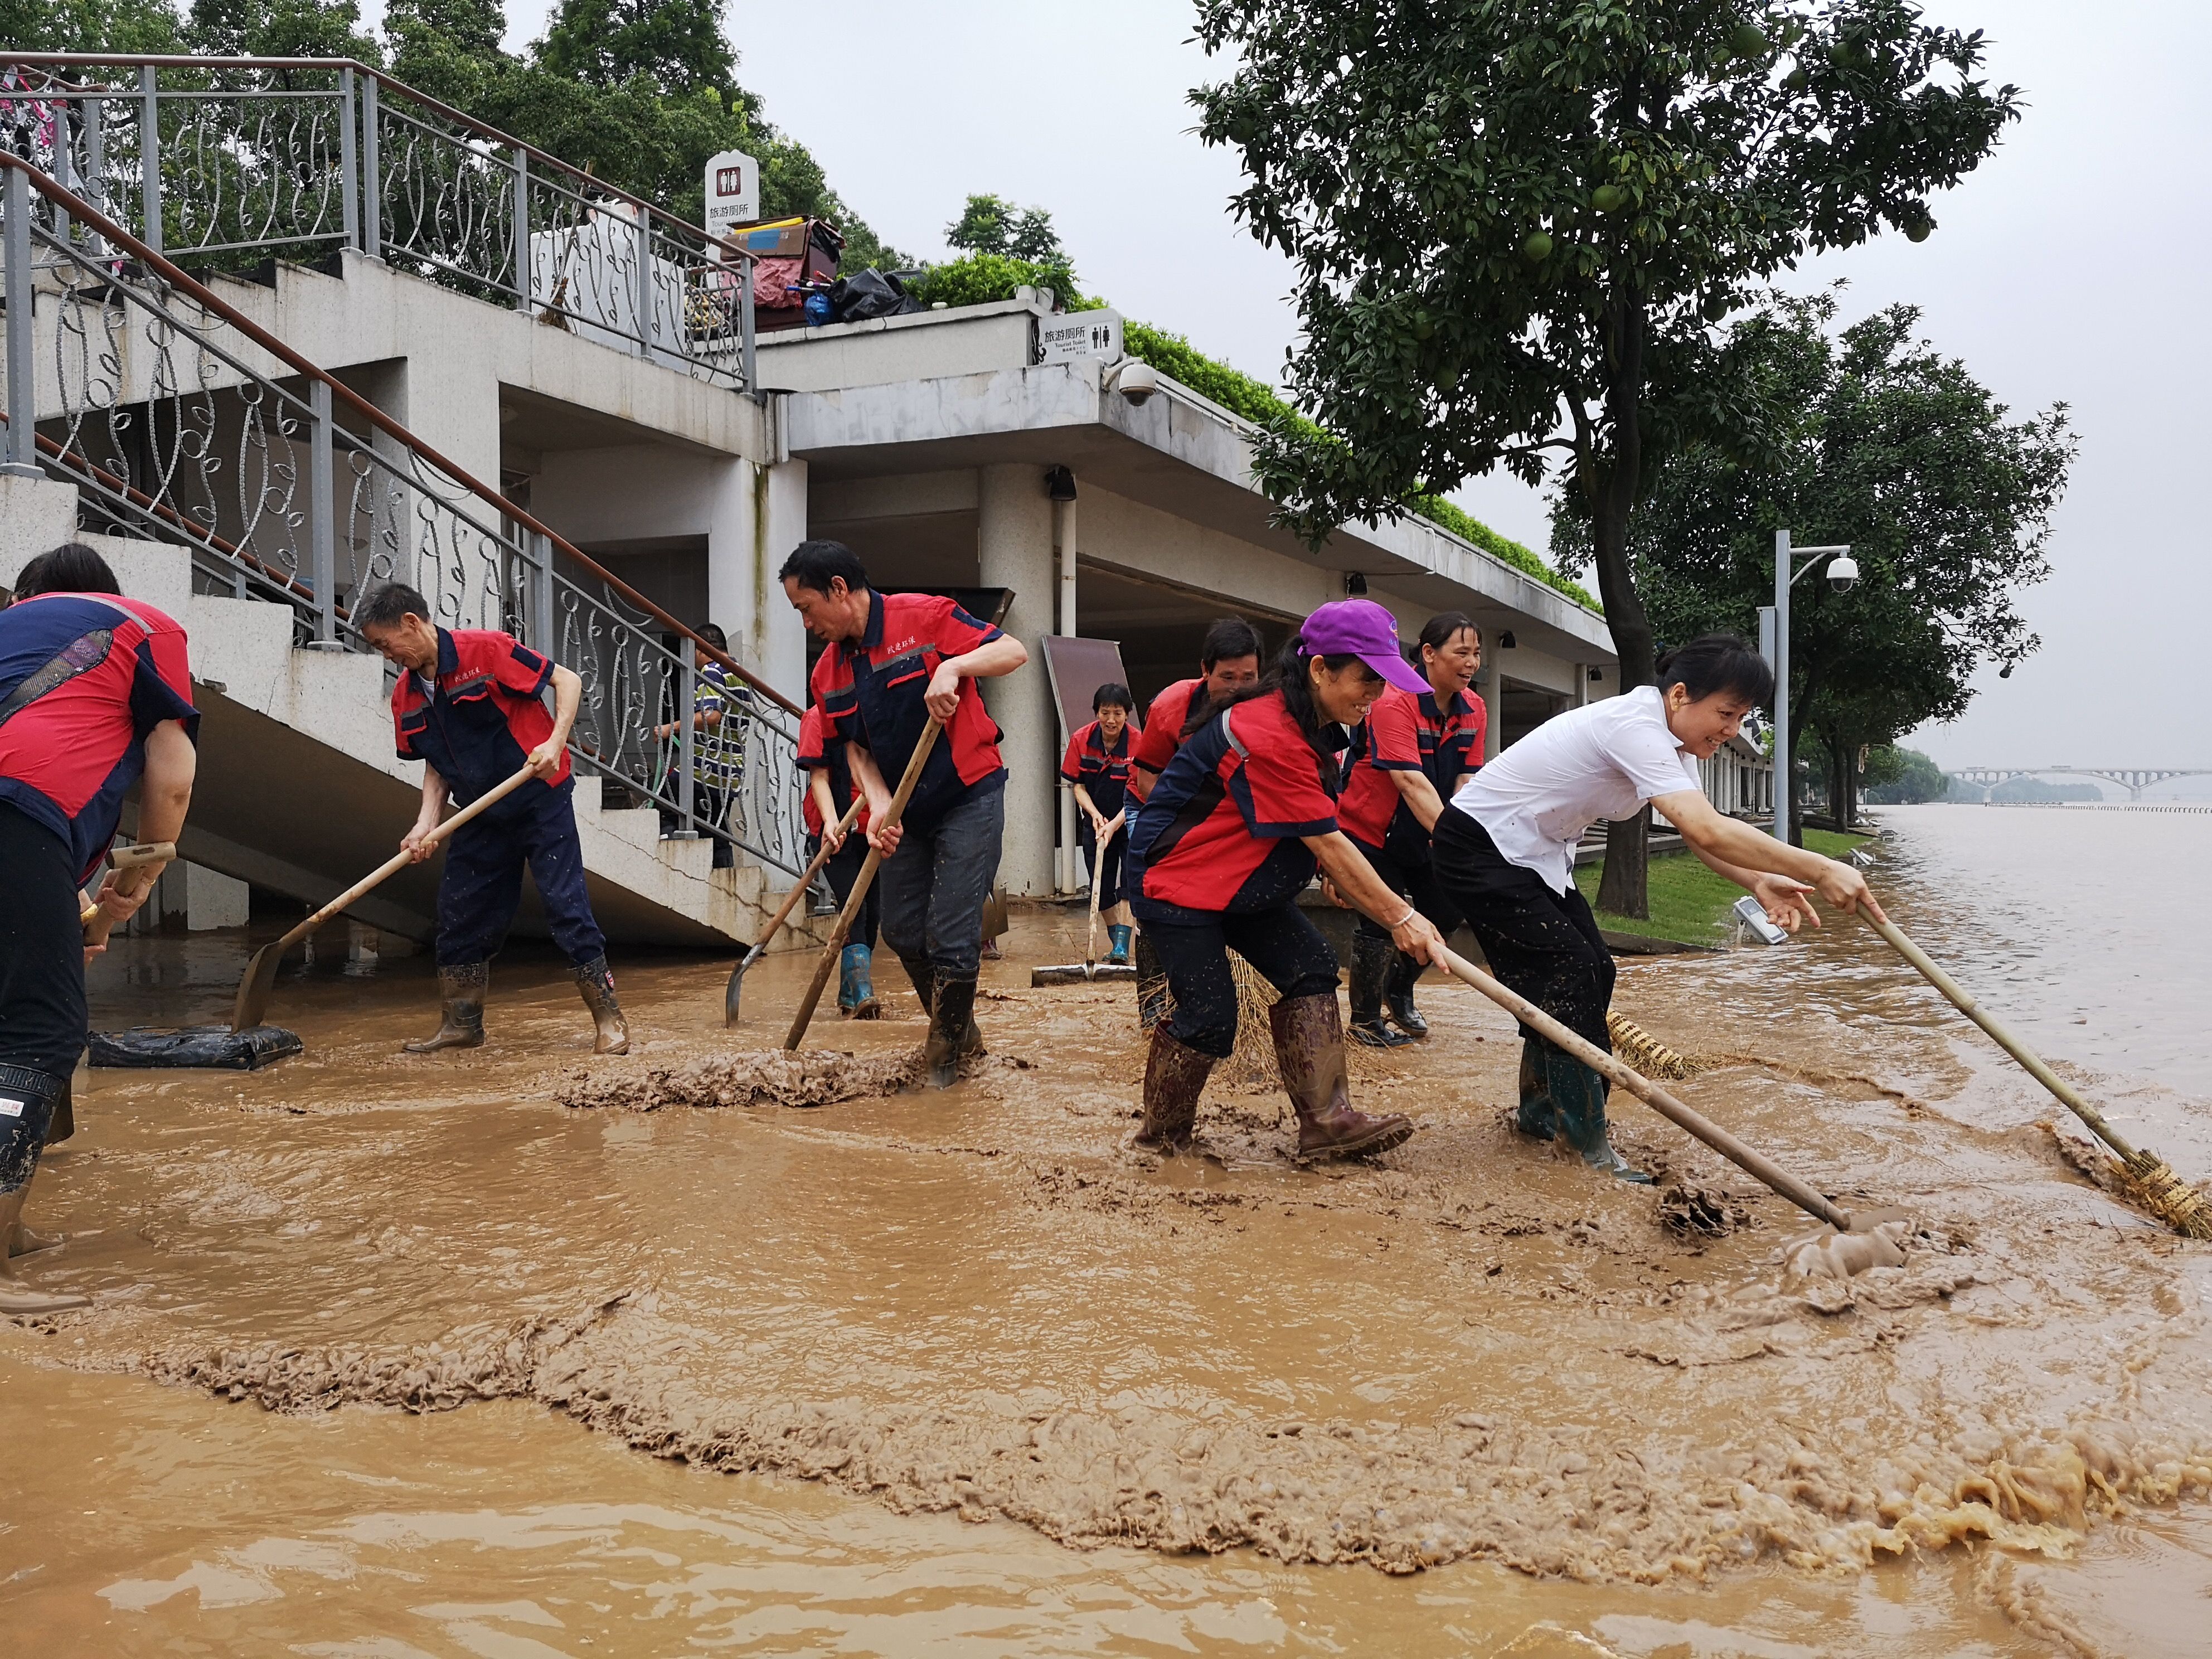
[[1097, 764], [1229, 836], [96, 694], [1228, 661], [829, 791], [1410, 757], [894, 661], [470, 706]]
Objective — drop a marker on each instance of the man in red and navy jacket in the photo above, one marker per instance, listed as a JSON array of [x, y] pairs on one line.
[[470, 706], [895, 661], [95, 694]]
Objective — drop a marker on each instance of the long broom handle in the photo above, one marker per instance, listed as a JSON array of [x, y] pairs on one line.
[[2004, 1039], [791, 899], [1090, 932], [393, 866], [1695, 1123], [892, 813]]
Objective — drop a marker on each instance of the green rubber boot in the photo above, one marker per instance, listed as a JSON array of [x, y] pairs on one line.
[[1578, 1098]]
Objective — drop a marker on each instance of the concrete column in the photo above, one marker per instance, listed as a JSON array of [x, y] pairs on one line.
[[1064, 867], [1491, 688], [1013, 547], [756, 515]]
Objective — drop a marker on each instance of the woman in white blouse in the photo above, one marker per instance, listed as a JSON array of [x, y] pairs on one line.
[[1505, 847]]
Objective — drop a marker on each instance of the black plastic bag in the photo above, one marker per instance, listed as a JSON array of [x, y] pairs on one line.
[[215, 1047], [870, 293]]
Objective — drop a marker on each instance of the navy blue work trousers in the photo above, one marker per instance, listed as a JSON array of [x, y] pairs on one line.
[[935, 885], [481, 885], [1283, 946]]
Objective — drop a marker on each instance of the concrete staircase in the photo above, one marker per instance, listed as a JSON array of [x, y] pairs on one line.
[[299, 790]]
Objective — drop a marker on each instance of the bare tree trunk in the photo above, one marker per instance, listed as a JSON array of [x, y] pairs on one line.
[[1621, 884]]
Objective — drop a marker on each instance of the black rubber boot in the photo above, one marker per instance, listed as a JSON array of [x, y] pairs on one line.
[[1309, 1035], [953, 1033], [1370, 966], [1405, 974], [63, 1122], [1536, 1118], [1152, 985], [595, 980], [461, 988], [1578, 1098], [1174, 1075], [925, 981]]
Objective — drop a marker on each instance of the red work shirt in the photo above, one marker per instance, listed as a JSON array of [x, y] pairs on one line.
[[816, 756], [83, 678], [870, 692], [1162, 733], [479, 719], [1403, 732], [1223, 829], [1103, 772]]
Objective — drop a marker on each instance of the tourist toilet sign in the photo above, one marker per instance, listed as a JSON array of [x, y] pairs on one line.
[[732, 191], [1064, 337]]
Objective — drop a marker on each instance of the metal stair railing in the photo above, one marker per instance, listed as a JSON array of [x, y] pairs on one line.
[[219, 161], [180, 419]]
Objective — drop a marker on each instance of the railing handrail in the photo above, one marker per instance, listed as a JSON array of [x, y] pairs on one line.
[[77, 208], [384, 78]]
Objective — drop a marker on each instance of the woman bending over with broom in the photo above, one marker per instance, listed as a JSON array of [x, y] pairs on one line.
[[1504, 851], [1229, 837]]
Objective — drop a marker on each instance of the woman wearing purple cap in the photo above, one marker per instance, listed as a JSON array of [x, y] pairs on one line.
[[1229, 836]]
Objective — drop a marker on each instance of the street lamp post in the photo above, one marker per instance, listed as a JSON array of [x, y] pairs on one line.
[[1842, 574]]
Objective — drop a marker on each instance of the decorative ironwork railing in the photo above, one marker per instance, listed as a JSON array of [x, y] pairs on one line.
[[209, 160], [180, 419]]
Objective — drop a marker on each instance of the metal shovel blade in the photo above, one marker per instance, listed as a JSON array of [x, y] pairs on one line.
[[255, 988], [735, 989], [1078, 973]]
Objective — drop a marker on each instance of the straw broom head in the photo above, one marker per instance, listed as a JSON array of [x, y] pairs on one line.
[[2146, 1181], [1642, 1052]]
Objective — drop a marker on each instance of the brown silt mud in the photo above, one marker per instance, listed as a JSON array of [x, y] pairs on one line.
[[984, 1303]]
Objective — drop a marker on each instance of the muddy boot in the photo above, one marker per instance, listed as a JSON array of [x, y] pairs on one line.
[[1398, 996], [64, 1119], [32, 1094], [1152, 985], [1117, 955], [1309, 1035], [925, 981], [596, 981], [1536, 1119], [855, 976], [1578, 1098], [953, 1033], [1174, 1075], [1370, 965], [462, 987]]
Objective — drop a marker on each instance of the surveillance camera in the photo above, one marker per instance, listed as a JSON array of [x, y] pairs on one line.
[[1843, 574], [1137, 381]]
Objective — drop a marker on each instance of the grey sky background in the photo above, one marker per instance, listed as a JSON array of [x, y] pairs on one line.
[[2071, 267]]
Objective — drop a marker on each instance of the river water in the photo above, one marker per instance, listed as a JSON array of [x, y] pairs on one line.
[[395, 1357]]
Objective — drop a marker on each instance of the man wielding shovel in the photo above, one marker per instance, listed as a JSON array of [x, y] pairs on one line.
[[470, 706], [894, 660]]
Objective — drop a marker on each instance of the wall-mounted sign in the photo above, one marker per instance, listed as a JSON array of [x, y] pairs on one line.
[[732, 191], [1063, 338]]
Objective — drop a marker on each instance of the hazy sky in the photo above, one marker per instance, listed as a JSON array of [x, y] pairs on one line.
[[2073, 266]]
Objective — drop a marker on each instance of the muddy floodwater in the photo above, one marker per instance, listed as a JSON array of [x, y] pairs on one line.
[[473, 1355]]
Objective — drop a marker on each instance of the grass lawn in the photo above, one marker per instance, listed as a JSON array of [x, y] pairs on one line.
[[1687, 900]]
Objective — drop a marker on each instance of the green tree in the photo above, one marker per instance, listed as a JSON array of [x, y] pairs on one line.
[[118, 26], [676, 45], [1882, 442], [1514, 223], [1903, 777], [993, 225], [280, 29]]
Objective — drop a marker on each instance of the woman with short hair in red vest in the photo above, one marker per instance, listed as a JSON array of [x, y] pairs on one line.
[[1232, 835], [1097, 764], [1412, 755]]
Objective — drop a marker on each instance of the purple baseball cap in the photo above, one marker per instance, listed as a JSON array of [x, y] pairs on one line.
[[1361, 629]]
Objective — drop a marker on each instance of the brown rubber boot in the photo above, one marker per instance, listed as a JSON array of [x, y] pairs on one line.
[[953, 1033], [1309, 1035], [1174, 1075], [596, 981], [462, 990]]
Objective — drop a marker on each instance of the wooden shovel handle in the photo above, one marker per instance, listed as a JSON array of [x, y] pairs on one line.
[[1780, 1180], [892, 814]]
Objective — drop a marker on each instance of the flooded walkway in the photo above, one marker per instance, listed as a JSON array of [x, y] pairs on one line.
[[980, 1330]]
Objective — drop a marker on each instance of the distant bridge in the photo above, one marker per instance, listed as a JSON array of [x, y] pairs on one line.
[[2133, 779]]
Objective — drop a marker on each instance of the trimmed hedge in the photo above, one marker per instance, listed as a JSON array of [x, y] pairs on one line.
[[982, 278]]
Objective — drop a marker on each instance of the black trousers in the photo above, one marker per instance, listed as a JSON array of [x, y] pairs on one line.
[[1283, 948], [1544, 945], [843, 869], [42, 1012], [1409, 869]]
